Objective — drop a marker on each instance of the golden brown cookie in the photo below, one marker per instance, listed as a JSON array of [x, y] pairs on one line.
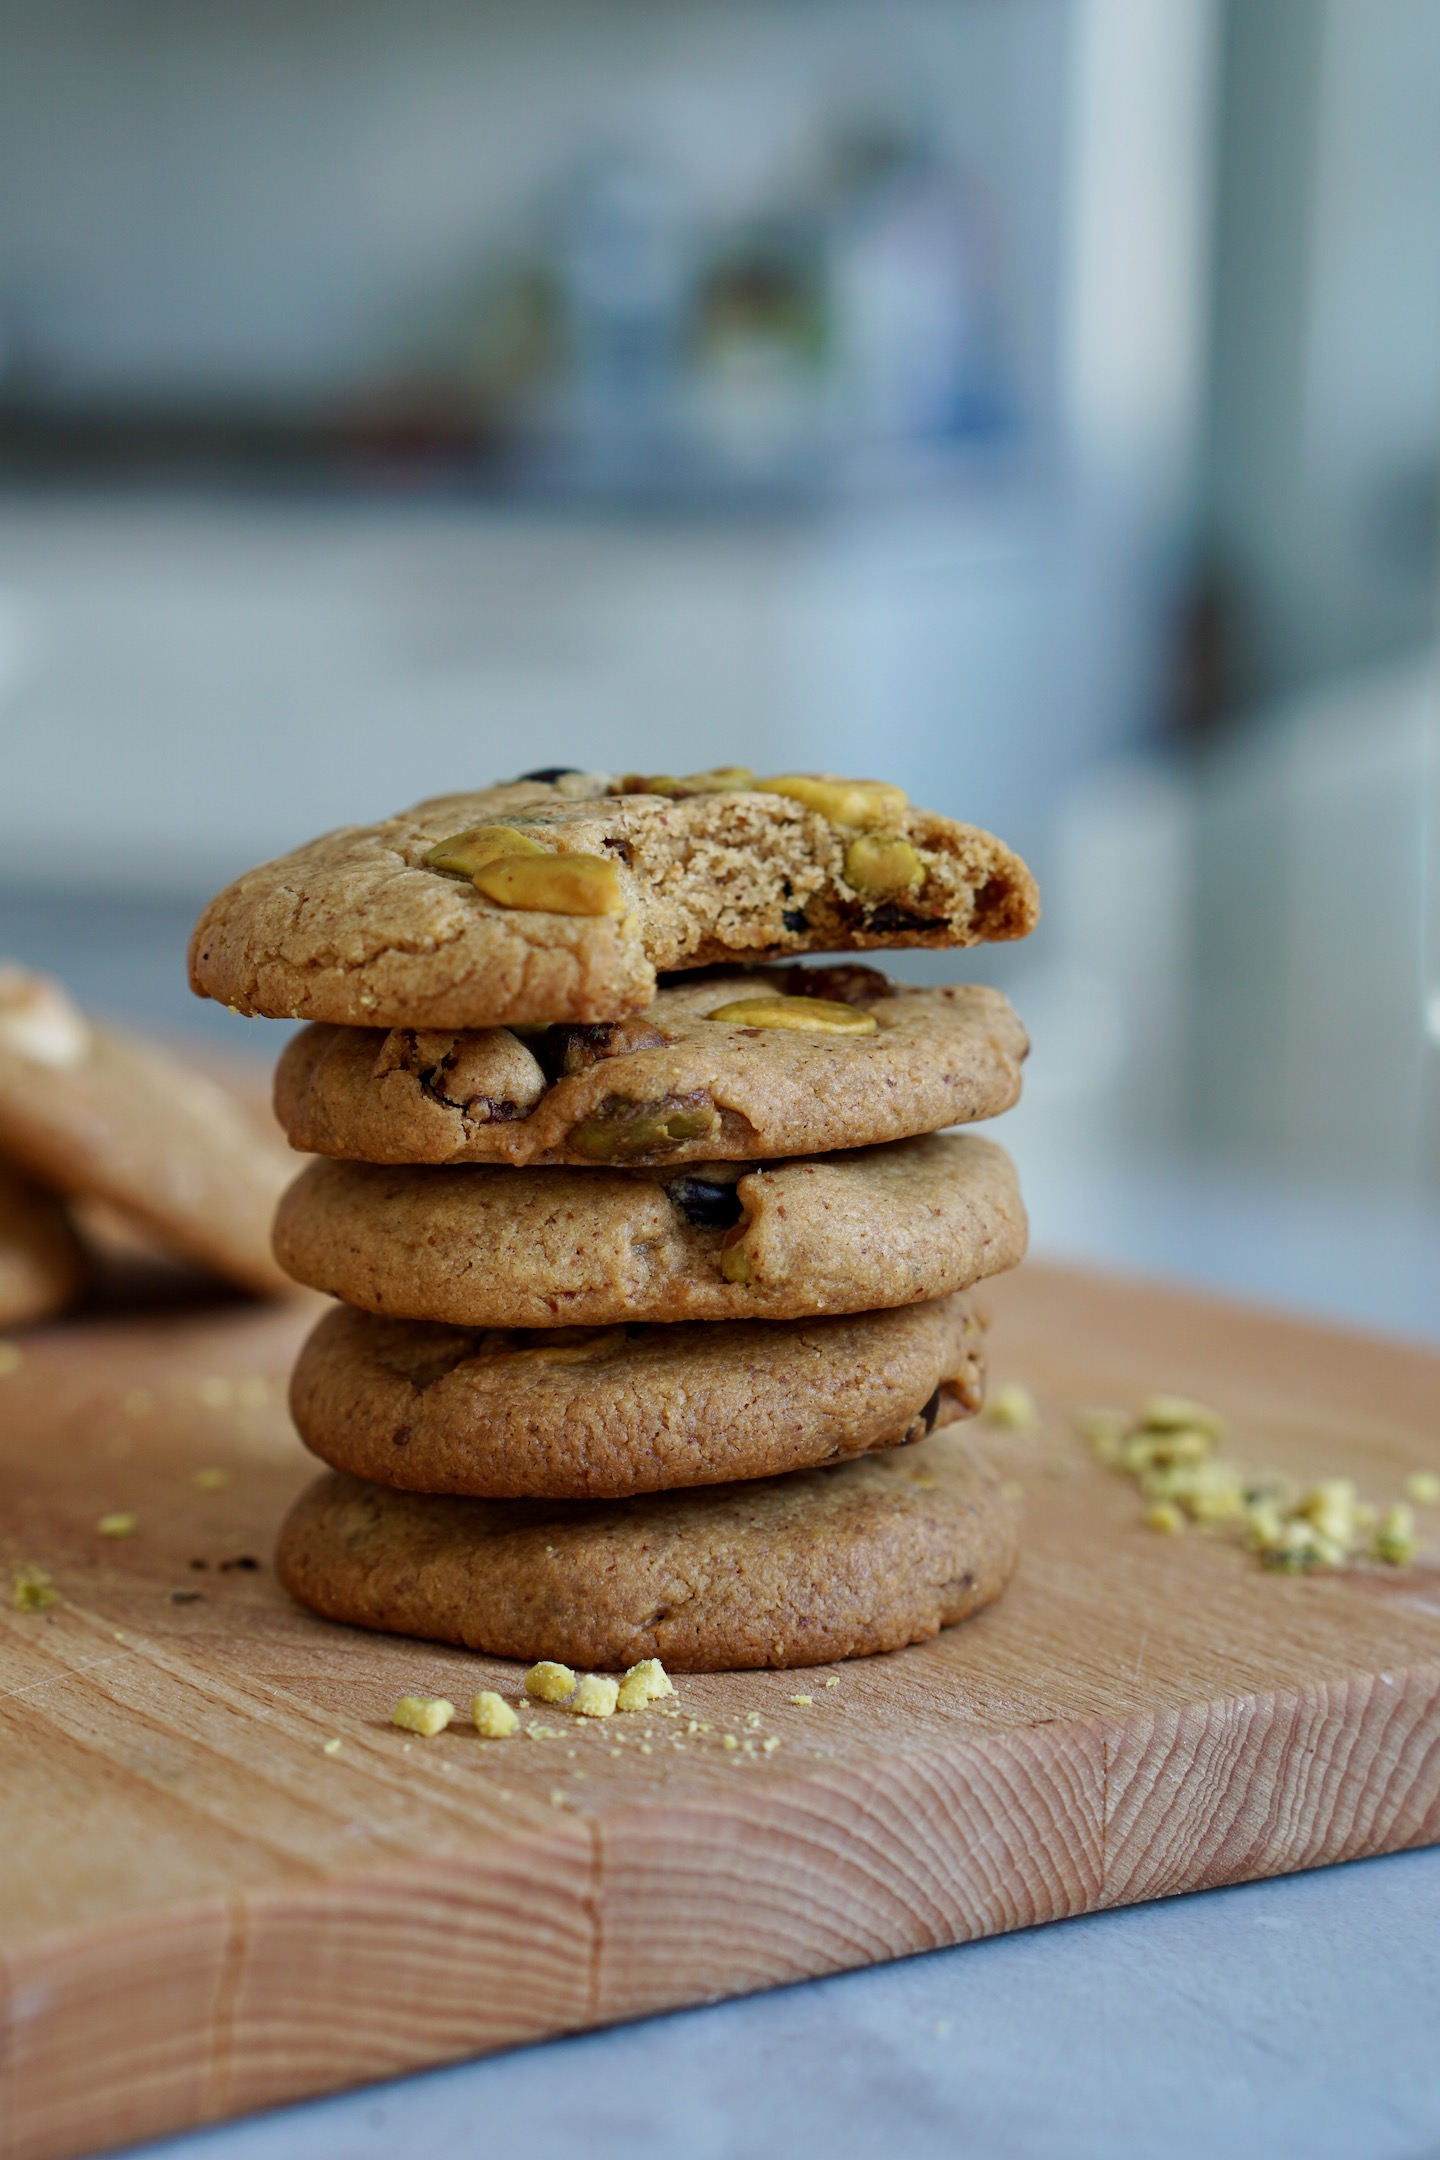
[[42, 1263], [485, 1247], [784, 1571], [595, 1414], [800, 1061], [89, 1113], [558, 898]]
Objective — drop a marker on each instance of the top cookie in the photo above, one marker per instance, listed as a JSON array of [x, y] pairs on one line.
[[88, 1113], [752, 1063], [559, 896]]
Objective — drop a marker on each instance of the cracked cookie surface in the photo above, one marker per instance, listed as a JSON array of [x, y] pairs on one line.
[[481, 1246], [584, 1413], [788, 1571], [358, 929], [674, 1086]]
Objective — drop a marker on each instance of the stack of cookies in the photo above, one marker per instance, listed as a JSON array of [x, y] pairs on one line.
[[652, 1251]]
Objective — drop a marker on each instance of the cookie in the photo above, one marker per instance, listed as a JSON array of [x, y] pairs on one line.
[[486, 1247], [42, 1263], [89, 1113], [558, 897], [767, 1062], [781, 1571], [591, 1414]]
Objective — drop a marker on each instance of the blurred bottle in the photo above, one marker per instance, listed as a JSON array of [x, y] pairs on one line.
[[624, 258], [917, 350]]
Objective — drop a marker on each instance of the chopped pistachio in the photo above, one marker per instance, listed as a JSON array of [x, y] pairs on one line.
[[1012, 1407]]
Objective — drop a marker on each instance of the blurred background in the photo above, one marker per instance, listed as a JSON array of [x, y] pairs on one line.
[[1036, 402]]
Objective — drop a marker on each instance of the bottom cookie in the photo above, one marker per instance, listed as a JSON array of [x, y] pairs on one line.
[[796, 1570], [601, 1413]]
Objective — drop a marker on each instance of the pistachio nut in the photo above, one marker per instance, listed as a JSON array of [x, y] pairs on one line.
[[719, 780], [819, 1016], [861, 803], [465, 852], [556, 884], [621, 1131], [882, 864], [734, 1260]]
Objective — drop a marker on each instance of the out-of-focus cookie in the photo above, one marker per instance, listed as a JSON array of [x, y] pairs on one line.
[[89, 1113], [484, 1247], [42, 1263], [786, 1571], [761, 1063], [585, 1413], [558, 897]]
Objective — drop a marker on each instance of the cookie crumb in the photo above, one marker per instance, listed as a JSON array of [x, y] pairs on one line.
[[595, 1696], [494, 1718], [212, 1480], [768, 1747], [33, 1590], [833, 1681], [423, 1714], [728, 1740], [802, 1702], [1012, 1407], [1423, 1487], [332, 1747], [644, 1683], [11, 1359], [549, 1682], [117, 1526]]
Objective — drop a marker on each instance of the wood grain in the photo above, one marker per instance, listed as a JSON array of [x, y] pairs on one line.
[[202, 1913]]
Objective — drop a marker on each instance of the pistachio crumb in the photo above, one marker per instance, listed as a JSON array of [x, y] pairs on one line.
[[1012, 1407], [33, 1590], [833, 1681], [1164, 1515], [11, 1359], [595, 1695], [768, 1747], [215, 1393], [118, 1525], [332, 1747], [644, 1684], [1423, 1487], [802, 1702], [1394, 1541], [211, 1480], [549, 1682], [493, 1717], [423, 1714]]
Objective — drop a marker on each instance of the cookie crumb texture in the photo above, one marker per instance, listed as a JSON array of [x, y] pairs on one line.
[[778, 1572], [358, 929], [600, 1413], [484, 1247], [679, 1085]]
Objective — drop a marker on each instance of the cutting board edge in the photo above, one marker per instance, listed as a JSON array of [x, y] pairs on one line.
[[610, 1917]]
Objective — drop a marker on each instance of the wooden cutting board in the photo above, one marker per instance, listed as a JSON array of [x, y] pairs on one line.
[[203, 1912]]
